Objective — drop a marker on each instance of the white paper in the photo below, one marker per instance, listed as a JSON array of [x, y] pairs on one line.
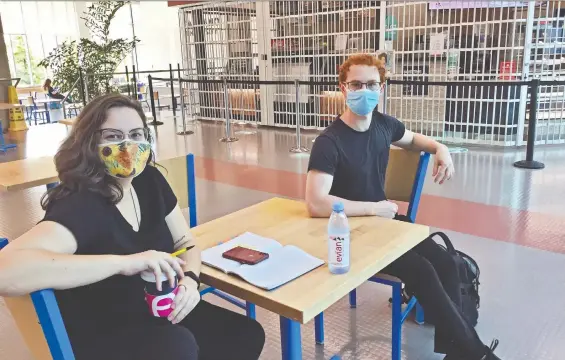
[[437, 44]]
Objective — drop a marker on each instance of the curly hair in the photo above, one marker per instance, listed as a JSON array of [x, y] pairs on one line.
[[362, 59], [77, 161]]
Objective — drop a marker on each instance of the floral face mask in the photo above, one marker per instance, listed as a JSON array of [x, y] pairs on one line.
[[125, 159]]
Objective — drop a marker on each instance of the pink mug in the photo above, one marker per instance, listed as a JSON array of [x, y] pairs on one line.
[[159, 302]]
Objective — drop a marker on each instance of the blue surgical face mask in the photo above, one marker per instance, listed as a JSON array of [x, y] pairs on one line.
[[362, 102]]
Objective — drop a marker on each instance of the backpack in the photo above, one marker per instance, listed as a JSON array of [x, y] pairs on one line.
[[469, 274]]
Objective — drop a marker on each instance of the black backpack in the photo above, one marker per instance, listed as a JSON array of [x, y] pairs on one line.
[[469, 274]]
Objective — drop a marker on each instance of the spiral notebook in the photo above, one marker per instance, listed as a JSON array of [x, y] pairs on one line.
[[285, 263]]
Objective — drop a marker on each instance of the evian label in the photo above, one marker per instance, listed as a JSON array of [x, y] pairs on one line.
[[339, 250], [161, 305]]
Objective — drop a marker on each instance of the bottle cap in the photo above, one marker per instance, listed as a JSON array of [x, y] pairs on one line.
[[337, 206]]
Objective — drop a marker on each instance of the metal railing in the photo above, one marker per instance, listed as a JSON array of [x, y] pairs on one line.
[[12, 79], [131, 79], [533, 87], [63, 101]]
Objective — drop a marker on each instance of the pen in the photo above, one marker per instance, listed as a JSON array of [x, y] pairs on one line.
[[182, 251]]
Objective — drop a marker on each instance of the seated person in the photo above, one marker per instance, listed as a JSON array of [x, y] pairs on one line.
[[112, 217], [348, 164], [52, 92]]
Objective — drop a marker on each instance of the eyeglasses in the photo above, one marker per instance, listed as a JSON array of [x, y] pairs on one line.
[[358, 85], [115, 135]]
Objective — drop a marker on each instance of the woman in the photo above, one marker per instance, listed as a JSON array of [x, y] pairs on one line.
[[53, 93], [112, 217]]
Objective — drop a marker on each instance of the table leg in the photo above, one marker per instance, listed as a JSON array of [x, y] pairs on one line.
[[319, 328], [250, 310], [47, 116], [51, 185], [291, 341]]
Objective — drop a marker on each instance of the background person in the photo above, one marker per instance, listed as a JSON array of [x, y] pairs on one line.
[[52, 92], [113, 216], [348, 164]]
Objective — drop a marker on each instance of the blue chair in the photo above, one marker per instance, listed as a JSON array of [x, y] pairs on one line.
[[45, 303], [404, 181], [3, 146], [51, 321]]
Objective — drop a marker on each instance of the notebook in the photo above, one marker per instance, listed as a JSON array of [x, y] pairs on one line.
[[285, 263]]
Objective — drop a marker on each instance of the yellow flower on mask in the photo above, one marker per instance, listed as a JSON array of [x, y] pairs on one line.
[[125, 159]]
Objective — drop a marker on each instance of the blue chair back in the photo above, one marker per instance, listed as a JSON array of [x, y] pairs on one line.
[[191, 179], [405, 177]]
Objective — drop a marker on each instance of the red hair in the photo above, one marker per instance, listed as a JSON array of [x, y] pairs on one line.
[[362, 59]]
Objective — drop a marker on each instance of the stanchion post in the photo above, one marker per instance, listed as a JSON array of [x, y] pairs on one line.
[[86, 87], [127, 82], [189, 97], [530, 163], [384, 96], [82, 92], [134, 82], [173, 101], [228, 137], [298, 148], [152, 98], [107, 83], [184, 131]]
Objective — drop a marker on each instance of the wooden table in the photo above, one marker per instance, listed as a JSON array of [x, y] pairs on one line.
[[68, 122], [71, 121], [45, 102], [375, 243], [27, 173], [6, 106]]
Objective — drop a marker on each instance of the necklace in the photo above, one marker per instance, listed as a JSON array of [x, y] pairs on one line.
[[134, 208]]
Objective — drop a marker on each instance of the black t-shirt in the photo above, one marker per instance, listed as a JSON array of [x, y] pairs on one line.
[[99, 228], [357, 160]]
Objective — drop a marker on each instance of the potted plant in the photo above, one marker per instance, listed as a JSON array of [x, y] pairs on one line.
[[98, 57]]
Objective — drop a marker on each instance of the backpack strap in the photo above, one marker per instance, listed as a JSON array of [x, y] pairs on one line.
[[447, 242]]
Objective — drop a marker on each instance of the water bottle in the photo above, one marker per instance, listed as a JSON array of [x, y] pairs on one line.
[[338, 240]]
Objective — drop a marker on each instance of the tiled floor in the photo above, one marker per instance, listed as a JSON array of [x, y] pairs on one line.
[[512, 221]]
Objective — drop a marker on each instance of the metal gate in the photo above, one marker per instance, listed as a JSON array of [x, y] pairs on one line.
[[445, 41], [309, 40], [547, 56], [482, 41], [219, 41]]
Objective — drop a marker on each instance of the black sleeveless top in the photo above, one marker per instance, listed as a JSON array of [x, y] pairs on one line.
[[99, 228]]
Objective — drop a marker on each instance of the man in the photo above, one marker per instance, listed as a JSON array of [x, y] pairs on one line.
[[348, 164]]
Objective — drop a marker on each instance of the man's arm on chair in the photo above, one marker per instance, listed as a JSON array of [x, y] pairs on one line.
[[443, 164], [319, 200]]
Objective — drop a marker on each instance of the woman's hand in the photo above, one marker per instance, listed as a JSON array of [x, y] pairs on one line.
[[156, 262], [185, 301]]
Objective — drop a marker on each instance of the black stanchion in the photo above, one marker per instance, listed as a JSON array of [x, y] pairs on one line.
[[184, 131], [134, 82], [154, 122], [82, 92], [172, 83], [298, 148], [530, 163], [228, 138], [107, 83], [127, 82]]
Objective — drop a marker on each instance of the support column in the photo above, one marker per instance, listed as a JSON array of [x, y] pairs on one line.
[[80, 8], [4, 73]]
